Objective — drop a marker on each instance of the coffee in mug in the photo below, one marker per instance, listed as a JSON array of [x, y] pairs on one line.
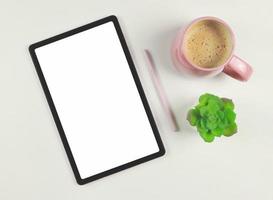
[[208, 44]]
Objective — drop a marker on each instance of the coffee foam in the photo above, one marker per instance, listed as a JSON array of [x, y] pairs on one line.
[[208, 43]]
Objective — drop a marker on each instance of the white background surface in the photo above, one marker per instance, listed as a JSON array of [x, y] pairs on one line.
[[97, 100], [33, 161]]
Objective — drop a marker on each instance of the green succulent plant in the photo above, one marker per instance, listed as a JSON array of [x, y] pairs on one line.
[[213, 117]]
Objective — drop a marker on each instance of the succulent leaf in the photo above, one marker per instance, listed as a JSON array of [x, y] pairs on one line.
[[229, 131]]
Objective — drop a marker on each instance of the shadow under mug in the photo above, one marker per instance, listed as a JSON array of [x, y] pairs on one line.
[[233, 66]]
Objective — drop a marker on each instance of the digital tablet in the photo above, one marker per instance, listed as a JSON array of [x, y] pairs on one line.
[[96, 99]]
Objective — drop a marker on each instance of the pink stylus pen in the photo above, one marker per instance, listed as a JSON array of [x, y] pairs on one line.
[[161, 92]]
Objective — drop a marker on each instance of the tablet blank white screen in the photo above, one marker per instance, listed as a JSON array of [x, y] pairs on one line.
[[97, 100]]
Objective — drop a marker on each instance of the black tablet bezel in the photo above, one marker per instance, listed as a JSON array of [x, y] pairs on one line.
[[113, 19]]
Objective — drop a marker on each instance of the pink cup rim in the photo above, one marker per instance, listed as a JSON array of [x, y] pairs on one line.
[[183, 43]]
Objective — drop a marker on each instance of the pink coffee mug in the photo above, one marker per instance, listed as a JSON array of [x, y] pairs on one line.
[[233, 66]]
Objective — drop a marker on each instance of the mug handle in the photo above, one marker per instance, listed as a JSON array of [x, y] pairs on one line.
[[238, 69]]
